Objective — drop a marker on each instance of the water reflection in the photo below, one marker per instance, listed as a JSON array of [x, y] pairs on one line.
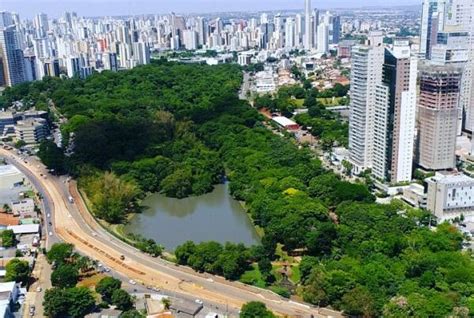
[[213, 216]]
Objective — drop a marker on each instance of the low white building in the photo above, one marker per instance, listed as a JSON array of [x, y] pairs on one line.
[[31, 131], [266, 82], [24, 229], [415, 195], [24, 208], [450, 196]]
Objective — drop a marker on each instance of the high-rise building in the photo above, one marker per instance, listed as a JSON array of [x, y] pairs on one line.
[[141, 53], [366, 74], [308, 32], [395, 112], [73, 66], [323, 38], [290, 33], [190, 39], [110, 61], [202, 30], [433, 18], [437, 116], [11, 58]]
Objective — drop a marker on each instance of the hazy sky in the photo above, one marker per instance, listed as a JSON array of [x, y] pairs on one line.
[[28, 8]]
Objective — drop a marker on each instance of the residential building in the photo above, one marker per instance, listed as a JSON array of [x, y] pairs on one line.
[[437, 116], [11, 58], [395, 112], [309, 29], [433, 18], [366, 74]]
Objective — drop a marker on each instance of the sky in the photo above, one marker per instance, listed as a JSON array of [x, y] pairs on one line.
[[54, 8]]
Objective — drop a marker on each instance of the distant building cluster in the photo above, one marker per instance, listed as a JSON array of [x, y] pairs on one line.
[[407, 102], [77, 46], [410, 100]]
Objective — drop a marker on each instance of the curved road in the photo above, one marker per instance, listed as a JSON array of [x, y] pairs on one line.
[[74, 224]]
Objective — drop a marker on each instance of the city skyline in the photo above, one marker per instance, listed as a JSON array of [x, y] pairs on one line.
[[27, 9]]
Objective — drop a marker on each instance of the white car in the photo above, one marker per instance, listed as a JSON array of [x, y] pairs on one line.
[[199, 301], [39, 289], [48, 215], [131, 281], [50, 233]]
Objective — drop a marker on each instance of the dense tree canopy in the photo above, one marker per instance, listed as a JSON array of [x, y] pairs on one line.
[[74, 302], [106, 287], [255, 309], [60, 253], [8, 238], [18, 271], [177, 128]]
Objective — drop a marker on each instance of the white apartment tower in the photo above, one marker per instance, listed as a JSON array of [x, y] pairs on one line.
[[308, 37], [366, 74], [433, 18], [395, 115]]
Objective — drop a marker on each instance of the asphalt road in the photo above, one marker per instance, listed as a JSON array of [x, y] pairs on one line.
[[92, 240]]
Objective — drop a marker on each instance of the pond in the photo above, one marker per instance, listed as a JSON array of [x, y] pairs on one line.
[[214, 216]]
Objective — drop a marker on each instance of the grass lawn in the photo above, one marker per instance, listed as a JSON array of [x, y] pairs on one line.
[[299, 102], [295, 276], [253, 277], [330, 101], [91, 281]]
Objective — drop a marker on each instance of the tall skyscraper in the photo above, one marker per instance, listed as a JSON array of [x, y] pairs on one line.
[[366, 74], [433, 18], [323, 38], [395, 111], [308, 37], [290, 33], [437, 116], [11, 58]]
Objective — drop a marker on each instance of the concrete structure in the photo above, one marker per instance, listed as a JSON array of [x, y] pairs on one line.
[[6, 119], [309, 30], [450, 195], [9, 294], [415, 195], [366, 74], [10, 177], [12, 64], [266, 82], [23, 208], [323, 38], [395, 111], [437, 116], [31, 131], [433, 19]]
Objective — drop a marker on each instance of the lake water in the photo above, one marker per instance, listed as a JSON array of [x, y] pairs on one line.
[[215, 216]]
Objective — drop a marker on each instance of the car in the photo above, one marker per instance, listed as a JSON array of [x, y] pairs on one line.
[[132, 282], [199, 301], [48, 215], [50, 233], [39, 289]]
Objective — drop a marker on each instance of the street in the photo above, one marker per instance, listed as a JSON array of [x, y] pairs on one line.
[[73, 224]]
